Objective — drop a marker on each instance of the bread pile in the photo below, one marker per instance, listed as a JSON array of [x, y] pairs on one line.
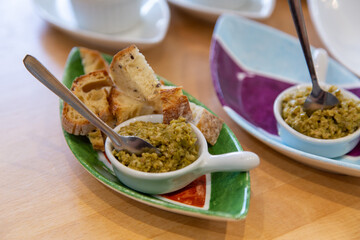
[[126, 89]]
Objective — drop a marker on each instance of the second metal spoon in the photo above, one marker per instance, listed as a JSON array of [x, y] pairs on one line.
[[318, 98], [129, 143]]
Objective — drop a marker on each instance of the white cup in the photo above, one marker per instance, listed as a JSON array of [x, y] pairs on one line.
[[107, 16]]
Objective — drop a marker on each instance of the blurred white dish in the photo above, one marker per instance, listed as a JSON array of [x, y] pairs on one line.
[[337, 25], [229, 4], [256, 9], [150, 31], [112, 16]]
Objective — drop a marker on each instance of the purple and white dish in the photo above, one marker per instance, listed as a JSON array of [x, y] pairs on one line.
[[250, 65]]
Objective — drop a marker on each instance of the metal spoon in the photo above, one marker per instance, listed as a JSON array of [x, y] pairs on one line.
[[318, 98], [128, 143]]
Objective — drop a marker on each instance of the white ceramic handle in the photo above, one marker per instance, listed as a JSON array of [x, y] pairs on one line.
[[230, 162], [321, 64]]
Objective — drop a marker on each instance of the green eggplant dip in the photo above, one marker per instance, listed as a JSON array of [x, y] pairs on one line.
[[333, 123], [176, 141]]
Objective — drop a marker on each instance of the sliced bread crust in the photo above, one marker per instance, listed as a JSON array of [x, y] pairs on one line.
[[92, 60], [174, 104], [133, 75], [209, 124], [74, 123], [93, 90], [97, 139], [122, 106]]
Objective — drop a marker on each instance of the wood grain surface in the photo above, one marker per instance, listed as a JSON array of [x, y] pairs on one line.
[[46, 194]]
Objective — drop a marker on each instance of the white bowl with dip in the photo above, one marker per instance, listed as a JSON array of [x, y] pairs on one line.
[[159, 183], [330, 148]]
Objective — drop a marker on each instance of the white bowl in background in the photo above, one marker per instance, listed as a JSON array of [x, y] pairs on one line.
[[337, 25], [159, 183], [107, 16]]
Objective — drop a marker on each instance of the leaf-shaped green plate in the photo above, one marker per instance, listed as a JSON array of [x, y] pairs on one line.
[[228, 194]]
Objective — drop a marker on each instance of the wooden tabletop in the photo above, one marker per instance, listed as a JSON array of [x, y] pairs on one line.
[[46, 194]]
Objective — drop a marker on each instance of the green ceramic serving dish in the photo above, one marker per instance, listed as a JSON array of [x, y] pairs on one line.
[[220, 196]]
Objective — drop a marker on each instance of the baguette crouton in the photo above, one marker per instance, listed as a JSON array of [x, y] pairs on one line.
[[209, 124], [92, 60], [174, 104], [93, 90], [133, 75], [97, 139], [122, 106]]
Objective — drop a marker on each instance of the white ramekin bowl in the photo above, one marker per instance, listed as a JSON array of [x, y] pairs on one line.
[[107, 16], [330, 148], [158, 183]]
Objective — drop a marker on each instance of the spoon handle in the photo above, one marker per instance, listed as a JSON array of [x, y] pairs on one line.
[[297, 15], [46, 78]]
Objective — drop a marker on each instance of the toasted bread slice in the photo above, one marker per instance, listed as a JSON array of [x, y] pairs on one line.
[[93, 90], [97, 140], [155, 106], [133, 75], [209, 124], [174, 104], [92, 60], [122, 106]]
